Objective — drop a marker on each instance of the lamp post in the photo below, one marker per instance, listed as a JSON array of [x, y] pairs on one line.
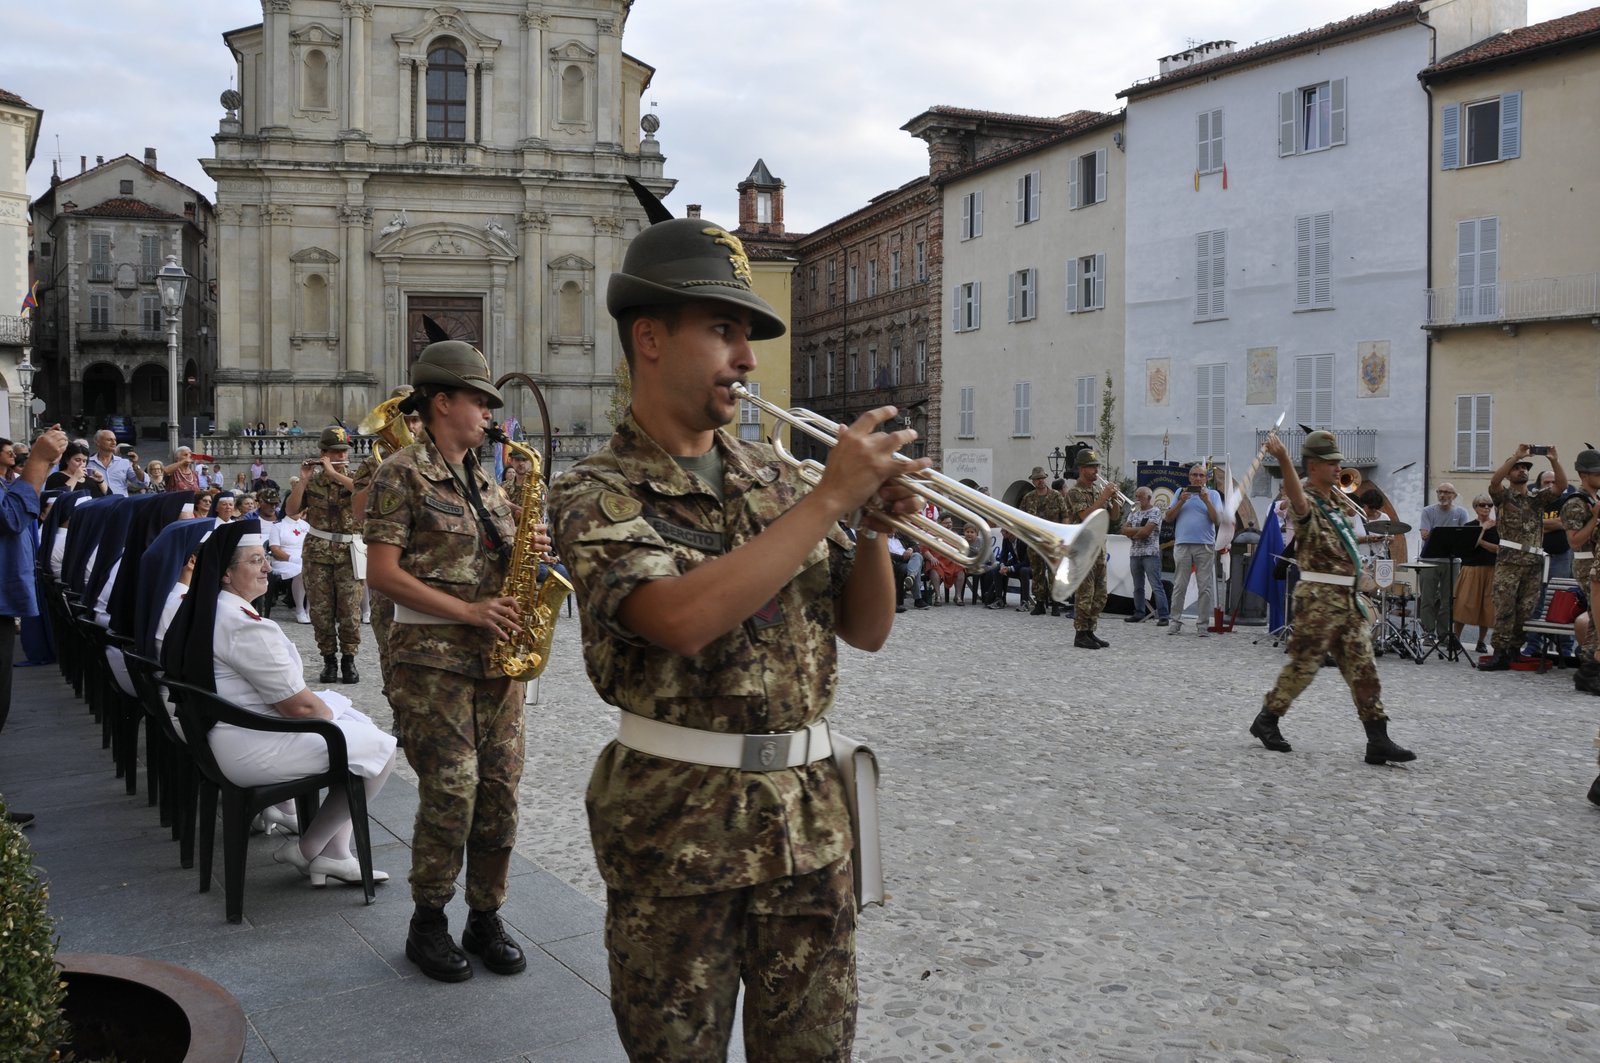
[[173, 282], [1056, 458], [25, 371]]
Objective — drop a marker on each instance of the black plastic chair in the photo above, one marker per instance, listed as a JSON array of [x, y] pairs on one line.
[[199, 711], [170, 769]]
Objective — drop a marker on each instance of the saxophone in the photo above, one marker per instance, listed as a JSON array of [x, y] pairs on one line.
[[524, 655]]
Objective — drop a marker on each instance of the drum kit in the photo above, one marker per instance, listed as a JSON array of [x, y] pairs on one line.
[[1396, 626]]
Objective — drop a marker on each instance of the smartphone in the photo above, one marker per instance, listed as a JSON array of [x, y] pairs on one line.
[[1543, 450], [1191, 489]]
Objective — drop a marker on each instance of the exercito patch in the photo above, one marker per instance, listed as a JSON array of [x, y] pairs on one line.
[[442, 506], [704, 541], [619, 507]]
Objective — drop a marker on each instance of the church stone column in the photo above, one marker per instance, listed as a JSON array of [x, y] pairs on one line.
[[534, 23], [486, 79], [471, 136], [397, 358], [357, 16], [279, 322], [533, 225], [280, 72], [357, 222], [607, 119]]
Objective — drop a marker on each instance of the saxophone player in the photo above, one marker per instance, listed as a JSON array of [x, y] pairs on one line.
[[440, 534]]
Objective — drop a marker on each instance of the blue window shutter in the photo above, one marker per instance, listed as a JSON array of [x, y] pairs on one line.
[[1511, 125], [1450, 137]]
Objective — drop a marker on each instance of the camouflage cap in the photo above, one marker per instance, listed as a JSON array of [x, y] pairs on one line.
[[1587, 461], [685, 260], [456, 364], [1087, 457], [334, 437], [1038, 473], [1321, 446]]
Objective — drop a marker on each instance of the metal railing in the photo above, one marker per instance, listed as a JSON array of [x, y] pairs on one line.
[[94, 329], [1358, 445], [234, 446], [1542, 299], [102, 271]]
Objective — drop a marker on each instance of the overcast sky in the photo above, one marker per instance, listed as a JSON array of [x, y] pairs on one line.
[[818, 88]]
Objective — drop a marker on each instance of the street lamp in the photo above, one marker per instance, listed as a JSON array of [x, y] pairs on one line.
[[1057, 459], [25, 371], [173, 282]]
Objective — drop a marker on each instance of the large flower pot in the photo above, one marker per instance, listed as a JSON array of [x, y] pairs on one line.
[[128, 1008]]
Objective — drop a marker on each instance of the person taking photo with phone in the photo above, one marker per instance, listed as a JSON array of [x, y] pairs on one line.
[[1519, 564]]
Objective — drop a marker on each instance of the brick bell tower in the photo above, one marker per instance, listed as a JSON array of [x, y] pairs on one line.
[[761, 202]]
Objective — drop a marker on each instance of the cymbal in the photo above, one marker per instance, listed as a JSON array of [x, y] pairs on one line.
[[1424, 563], [1387, 527]]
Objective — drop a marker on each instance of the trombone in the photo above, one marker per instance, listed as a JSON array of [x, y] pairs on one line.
[[1070, 550], [1346, 486]]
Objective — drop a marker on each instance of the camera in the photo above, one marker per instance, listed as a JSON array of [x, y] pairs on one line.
[[1543, 450]]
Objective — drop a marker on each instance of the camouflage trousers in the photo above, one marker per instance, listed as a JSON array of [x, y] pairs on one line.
[[1090, 598], [1517, 582], [333, 597], [382, 621], [1584, 571], [1043, 579], [463, 736], [676, 964], [1326, 621]]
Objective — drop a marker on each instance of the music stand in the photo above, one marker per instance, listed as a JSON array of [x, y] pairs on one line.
[[1446, 547]]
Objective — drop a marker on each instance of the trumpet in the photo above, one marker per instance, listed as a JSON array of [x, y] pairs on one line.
[[1127, 504], [1070, 550]]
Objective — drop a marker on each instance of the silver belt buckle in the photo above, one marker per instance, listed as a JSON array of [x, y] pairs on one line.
[[768, 752]]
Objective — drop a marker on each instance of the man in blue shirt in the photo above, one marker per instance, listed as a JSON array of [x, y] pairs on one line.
[[1196, 511], [19, 532], [109, 464]]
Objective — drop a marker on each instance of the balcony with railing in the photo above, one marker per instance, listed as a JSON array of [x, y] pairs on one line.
[[1358, 445], [98, 330], [1542, 299], [15, 330]]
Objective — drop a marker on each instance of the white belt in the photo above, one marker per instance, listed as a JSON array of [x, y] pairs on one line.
[[1531, 551], [404, 614], [717, 749], [332, 537], [1583, 555], [1326, 577]]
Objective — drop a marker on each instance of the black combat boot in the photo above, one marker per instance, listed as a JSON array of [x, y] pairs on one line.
[[1497, 662], [347, 669], [1085, 640], [330, 669], [1594, 791], [1265, 727], [1587, 678], [1103, 643], [430, 947], [1380, 750], [486, 937], [1038, 607]]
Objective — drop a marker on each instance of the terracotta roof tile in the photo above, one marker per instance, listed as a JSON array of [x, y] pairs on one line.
[[968, 112], [1562, 30], [126, 208], [1406, 9], [1081, 122], [13, 99]]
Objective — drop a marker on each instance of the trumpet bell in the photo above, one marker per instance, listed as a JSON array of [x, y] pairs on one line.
[[1077, 549]]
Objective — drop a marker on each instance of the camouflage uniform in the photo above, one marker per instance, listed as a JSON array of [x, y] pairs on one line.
[[1327, 618], [380, 607], [1576, 512], [1047, 505], [1091, 595], [1518, 576], [333, 594], [460, 721], [712, 869]]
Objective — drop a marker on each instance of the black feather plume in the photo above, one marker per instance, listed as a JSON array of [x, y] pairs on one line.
[[431, 329], [653, 207]]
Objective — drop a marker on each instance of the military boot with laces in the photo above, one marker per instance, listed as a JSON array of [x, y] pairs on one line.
[[486, 938], [430, 947], [330, 669]]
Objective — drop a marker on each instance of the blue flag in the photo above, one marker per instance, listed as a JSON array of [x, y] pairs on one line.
[[1259, 580]]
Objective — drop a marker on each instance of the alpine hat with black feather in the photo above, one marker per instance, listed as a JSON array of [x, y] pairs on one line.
[[682, 260], [451, 363]]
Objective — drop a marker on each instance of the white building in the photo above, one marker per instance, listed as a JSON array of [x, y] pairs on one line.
[[1278, 242], [19, 134], [382, 162], [1033, 250]]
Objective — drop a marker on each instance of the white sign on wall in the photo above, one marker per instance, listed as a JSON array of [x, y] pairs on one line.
[[974, 465]]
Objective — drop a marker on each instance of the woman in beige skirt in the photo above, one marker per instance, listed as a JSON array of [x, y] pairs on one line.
[[1475, 587]]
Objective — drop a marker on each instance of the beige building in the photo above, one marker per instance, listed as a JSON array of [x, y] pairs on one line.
[[101, 339], [386, 162], [19, 135], [1514, 311], [770, 247]]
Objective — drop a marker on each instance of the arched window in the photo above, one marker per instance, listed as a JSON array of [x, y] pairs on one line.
[[447, 92], [316, 79], [316, 305], [572, 108], [571, 309]]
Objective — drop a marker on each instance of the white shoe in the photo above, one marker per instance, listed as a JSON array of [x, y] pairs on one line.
[[287, 822], [1202, 633], [289, 853], [302, 618], [1176, 628], [346, 871], [366, 618]]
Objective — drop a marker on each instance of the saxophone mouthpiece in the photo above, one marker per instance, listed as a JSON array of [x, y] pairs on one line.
[[496, 434]]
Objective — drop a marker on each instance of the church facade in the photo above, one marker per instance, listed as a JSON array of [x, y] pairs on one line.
[[384, 163]]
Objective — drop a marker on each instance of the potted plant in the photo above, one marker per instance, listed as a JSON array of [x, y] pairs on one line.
[[89, 1007]]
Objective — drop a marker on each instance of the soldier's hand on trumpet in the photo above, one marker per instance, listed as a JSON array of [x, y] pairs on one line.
[[863, 466]]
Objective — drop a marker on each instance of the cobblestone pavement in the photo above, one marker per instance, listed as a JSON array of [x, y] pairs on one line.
[[1090, 859]]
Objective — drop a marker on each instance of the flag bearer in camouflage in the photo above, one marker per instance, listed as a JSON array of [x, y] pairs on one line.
[[439, 535], [1519, 564], [1330, 616], [712, 586], [1083, 498], [1048, 505], [333, 594]]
